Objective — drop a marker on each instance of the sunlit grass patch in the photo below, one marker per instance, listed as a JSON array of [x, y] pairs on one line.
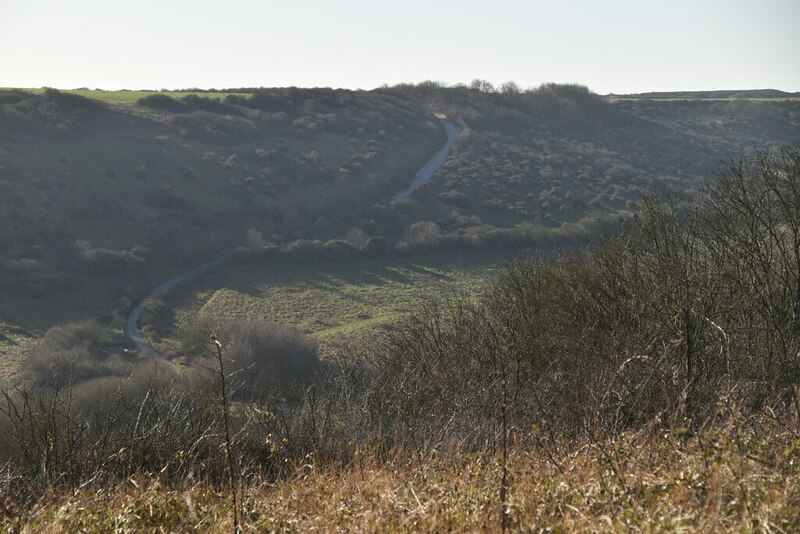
[[655, 482], [328, 299], [130, 97]]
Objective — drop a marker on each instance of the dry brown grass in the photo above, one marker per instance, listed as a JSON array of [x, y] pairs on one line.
[[740, 477]]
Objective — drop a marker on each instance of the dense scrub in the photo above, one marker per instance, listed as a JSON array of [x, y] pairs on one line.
[[553, 156], [101, 202], [134, 193], [690, 308], [684, 325], [687, 304]]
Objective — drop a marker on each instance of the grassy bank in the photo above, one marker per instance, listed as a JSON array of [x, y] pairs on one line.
[[723, 479], [328, 299]]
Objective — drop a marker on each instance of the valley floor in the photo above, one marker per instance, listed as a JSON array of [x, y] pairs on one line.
[[329, 300]]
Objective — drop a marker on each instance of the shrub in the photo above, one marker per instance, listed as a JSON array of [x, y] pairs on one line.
[[270, 102], [456, 198], [422, 235], [260, 353], [212, 105], [72, 353], [162, 103], [72, 102], [357, 237], [106, 427], [339, 250], [107, 262]]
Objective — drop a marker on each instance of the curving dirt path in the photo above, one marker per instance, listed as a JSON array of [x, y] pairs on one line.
[[132, 325], [426, 172], [423, 176]]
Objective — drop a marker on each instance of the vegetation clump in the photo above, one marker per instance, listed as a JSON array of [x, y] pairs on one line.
[[657, 365], [653, 376]]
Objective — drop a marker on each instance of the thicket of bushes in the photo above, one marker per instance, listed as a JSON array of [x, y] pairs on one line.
[[282, 159], [559, 153], [686, 306], [91, 409], [77, 200], [260, 353], [429, 236]]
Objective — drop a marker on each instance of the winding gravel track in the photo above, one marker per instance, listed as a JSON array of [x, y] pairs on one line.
[[132, 325], [426, 172], [423, 176]]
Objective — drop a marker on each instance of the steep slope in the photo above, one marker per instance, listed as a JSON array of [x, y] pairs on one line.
[[98, 202], [78, 177], [547, 159]]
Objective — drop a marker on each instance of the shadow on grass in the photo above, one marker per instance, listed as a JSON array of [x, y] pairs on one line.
[[334, 297]]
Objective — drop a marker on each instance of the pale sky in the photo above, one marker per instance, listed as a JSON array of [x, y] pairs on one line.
[[617, 46]]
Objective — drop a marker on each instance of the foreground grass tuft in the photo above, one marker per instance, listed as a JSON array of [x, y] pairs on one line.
[[737, 478]]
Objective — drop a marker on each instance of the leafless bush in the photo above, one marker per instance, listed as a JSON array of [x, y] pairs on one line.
[[422, 235], [72, 353], [105, 428], [259, 353], [656, 322]]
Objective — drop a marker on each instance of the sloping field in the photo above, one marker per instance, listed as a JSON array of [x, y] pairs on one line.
[[327, 299], [128, 97]]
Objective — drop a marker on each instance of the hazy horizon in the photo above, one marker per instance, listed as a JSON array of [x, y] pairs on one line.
[[224, 89], [614, 47]]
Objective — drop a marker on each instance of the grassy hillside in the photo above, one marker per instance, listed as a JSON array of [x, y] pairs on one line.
[[648, 382], [104, 194], [132, 97], [652, 483], [326, 300], [554, 157], [110, 200], [751, 94], [530, 169]]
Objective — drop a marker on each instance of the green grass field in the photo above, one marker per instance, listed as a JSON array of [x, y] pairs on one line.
[[331, 299], [124, 97], [327, 300]]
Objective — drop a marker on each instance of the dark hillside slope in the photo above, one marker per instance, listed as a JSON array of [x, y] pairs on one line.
[[551, 157], [722, 94], [99, 202], [113, 199], [77, 176]]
